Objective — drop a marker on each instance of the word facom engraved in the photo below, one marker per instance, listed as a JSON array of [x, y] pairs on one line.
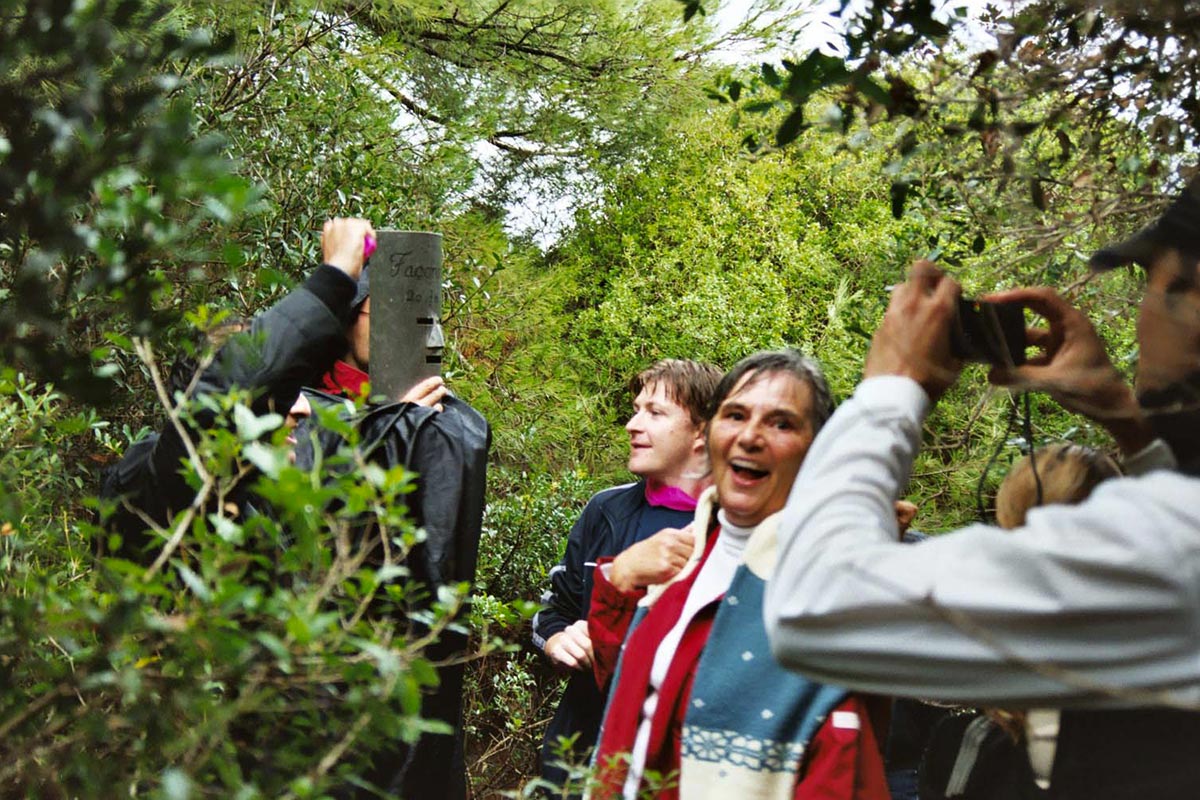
[[400, 264]]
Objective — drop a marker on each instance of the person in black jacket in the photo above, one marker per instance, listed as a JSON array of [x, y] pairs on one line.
[[667, 453], [318, 335], [289, 346]]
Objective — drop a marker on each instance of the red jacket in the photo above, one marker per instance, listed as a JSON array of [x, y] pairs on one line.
[[840, 763]]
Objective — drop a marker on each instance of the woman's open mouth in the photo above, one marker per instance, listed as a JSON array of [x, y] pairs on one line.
[[747, 473]]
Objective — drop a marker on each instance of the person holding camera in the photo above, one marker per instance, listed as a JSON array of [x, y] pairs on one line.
[[1095, 607], [320, 328]]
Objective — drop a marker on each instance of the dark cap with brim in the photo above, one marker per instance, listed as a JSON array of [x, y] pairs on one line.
[[363, 291], [1177, 229]]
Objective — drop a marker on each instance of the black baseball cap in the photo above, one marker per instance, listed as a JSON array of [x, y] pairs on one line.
[[1178, 229]]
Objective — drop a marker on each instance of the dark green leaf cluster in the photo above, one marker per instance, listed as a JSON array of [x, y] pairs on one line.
[[265, 654], [1098, 81], [101, 176]]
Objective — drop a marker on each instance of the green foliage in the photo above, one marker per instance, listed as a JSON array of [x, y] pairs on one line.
[[431, 116], [712, 255], [129, 142], [510, 360], [511, 695], [37, 438], [525, 528], [224, 662], [101, 176], [1002, 100]]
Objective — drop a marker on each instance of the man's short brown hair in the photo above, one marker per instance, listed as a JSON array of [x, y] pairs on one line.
[[690, 384], [1067, 473]]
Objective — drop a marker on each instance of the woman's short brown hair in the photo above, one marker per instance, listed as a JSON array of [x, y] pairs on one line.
[[1067, 473]]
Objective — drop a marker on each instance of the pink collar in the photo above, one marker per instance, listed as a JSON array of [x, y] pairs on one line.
[[672, 497]]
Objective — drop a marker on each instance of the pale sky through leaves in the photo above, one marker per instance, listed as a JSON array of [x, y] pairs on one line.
[[545, 215]]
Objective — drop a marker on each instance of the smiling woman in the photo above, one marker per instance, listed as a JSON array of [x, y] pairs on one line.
[[699, 706], [768, 411]]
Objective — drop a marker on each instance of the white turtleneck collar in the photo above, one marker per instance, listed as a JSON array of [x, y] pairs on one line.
[[733, 538]]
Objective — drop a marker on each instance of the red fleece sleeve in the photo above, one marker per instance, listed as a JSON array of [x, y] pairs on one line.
[[608, 619], [843, 761]]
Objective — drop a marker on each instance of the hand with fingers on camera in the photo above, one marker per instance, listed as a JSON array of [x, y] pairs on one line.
[[913, 340], [1073, 367]]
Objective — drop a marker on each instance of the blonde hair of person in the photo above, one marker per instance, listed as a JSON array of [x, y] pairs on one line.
[[1067, 473]]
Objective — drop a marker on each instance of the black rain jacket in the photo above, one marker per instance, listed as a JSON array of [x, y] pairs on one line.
[[293, 344]]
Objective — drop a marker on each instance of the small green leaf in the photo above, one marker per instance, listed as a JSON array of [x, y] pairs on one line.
[[390, 572], [385, 659], [121, 341], [374, 475], [269, 460], [251, 427], [227, 529], [275, 646], [234, 256], [297, 628], [219, 210], [271, 278], [193, 581], [423, 672]]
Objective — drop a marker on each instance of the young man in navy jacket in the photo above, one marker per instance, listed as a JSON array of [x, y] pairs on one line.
[[667, 454]]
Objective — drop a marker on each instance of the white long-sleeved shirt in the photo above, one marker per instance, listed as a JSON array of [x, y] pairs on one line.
[[1096, 604]]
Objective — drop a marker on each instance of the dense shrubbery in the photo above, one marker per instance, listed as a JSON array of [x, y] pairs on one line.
[[512, 695], [229, 666], [714, 255], [102, 178]]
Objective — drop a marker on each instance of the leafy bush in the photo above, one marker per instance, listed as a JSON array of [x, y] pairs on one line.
[[226, 664], [102, 177], [510, 696]]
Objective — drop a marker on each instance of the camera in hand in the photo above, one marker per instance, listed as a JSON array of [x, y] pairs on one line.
[[991, 333]]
